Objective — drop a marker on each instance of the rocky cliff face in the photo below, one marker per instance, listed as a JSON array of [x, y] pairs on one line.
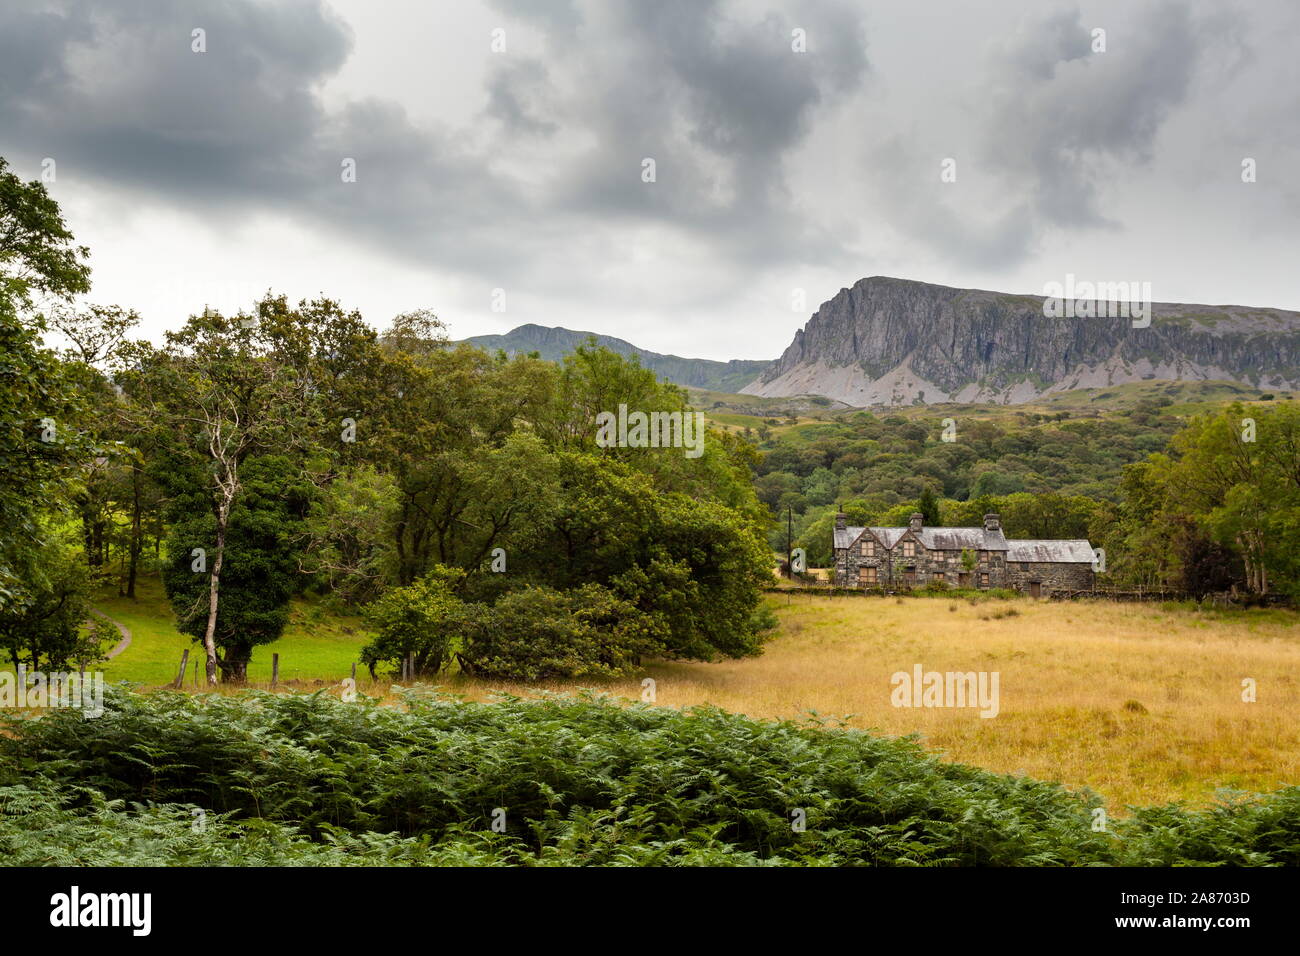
[[894, 341]]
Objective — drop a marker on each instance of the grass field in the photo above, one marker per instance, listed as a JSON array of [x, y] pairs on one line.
[[1142, 703], [316, 645]]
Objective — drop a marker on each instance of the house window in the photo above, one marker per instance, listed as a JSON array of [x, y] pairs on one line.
[[866, 575], [868, 548], [938, 576], [909, 549], [984, 579], [1024, 565]]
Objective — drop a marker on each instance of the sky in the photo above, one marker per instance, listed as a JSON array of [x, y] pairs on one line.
[[500, 154]]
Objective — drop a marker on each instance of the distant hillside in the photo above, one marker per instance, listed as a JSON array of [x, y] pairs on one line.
[[898, 342], [555, 343]]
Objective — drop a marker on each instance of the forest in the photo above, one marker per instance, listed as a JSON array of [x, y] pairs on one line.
[[458, 497]]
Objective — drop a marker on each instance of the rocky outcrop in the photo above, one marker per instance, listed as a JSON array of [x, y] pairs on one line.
[[894, 341]]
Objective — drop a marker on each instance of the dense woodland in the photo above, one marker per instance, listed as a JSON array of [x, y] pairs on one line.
[[1196, 503], [459, 498]]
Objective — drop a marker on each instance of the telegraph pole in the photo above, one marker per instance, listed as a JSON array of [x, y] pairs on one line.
[[789, 541]]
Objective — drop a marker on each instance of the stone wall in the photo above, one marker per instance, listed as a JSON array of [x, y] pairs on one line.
[[1051, 576], [895, 571]]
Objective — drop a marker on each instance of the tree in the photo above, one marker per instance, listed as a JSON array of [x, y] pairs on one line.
[[696, 565], [418, 622], [259, 541], [224, 389], [217, 388], [37, 254], [1206, 566], [48, 631], [1231, 477], [445, 420], [37, 257], [349, 544], [928, 506], [96, 332]]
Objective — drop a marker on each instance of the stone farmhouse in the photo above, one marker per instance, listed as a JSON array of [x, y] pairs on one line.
[[916, 556]]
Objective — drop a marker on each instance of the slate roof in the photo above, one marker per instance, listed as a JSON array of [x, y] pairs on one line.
[[844, 537], [932, 539], [954, 539], [1064, 551], [1069, 551]]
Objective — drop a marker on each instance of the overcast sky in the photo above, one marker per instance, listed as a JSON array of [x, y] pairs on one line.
[[208, 177]]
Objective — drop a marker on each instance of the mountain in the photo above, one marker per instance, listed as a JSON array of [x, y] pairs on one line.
[[555, 343], [895, 341]]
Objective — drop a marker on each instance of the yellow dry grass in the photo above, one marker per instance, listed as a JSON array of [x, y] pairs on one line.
[[1067, 672]]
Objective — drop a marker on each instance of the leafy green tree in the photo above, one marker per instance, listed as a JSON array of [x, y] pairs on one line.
[[262, 536], [420, 621], [697, 565], [928, 506], [1241, 481], [49, 631], [37, 256], [224, 389], [349, 544], [449, 430]]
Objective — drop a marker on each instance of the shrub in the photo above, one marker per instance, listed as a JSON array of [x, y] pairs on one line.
[[541, 633], [420, 620]]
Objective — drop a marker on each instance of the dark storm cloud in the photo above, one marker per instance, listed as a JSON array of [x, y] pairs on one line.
[[514, 94], [113, 91], [1056, 121], [718, 103], [1063, 116], [123, 98], [561, 16]]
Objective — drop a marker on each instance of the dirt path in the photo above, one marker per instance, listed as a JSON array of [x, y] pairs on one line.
[[121, 645]]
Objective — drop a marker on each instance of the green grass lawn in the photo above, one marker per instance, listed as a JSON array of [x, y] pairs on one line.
[[316, 644]]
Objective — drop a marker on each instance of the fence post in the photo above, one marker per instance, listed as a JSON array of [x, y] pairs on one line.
[[354, 673], [275, 670], [180, 675]]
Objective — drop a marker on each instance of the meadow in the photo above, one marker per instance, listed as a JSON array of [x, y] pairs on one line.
[[1141, 703]]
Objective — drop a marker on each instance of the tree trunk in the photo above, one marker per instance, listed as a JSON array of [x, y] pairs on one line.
[[88, 535], [214, 587], [234, 666], [137, 532]]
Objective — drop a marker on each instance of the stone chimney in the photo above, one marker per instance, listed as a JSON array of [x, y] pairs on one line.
[[914, 522], [841, 521], [992, 522]]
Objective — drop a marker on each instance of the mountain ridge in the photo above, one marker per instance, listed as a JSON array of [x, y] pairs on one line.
[[555, 342], [895, 341]]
